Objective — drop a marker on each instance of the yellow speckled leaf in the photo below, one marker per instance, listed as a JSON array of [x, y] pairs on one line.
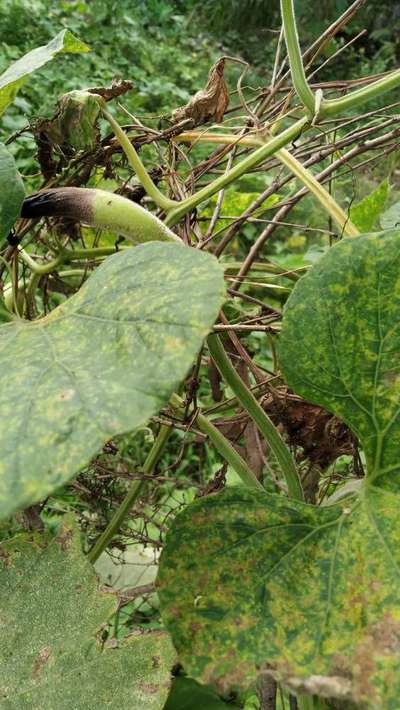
[[250, 582], [51, 613], [101, 364], [340, 341]]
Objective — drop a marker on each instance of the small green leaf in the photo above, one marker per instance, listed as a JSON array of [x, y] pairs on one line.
[[340, 341], [365, 214], [101, 364], [186, 694], [13, 78], [390, 219], [12, 192], [250, 582], [51, 613]]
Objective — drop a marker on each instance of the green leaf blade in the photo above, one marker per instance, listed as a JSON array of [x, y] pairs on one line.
[[13, 78], [310, 595], [101, 364], [51, 613], [12, 192], [365, 213], [340, 341]]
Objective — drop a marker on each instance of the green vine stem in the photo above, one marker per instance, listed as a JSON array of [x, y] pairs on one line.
[[305, 176], [343, 221], [295, 59], [131, 497], [222, 445], [332, 107], [260, 418], [152, 190], [251, 161]]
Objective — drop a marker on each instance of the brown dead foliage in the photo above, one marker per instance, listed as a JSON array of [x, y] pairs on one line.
[[321, 436], [208, 103]]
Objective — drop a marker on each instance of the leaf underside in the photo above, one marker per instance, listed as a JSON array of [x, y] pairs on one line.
[[101, 364], [252, 582], [50, 617]]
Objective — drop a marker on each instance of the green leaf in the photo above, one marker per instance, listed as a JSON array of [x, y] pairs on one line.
[[101, 364], [250, 582], [51, 613], [186, 694], [365, 214], [340, 341], [13, 78], [12, 192], [390, 219]]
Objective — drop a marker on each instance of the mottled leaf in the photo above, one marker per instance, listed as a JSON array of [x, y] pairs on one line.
[[250, 583], [12, 192], [365, 214], [390, 219], [51, 613], [13, 78], [340, 341], [100, 364]]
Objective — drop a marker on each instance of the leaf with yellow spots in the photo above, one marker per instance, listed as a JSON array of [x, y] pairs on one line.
[[252, 582], [101, 364], [340, 342], [51, 615]]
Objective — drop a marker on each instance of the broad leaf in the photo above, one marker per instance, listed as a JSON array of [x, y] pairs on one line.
[[340, 341], [310, 595], [51, 614], [12, 192], [250, 583], [13, 78], [101, 364], [365, 214]]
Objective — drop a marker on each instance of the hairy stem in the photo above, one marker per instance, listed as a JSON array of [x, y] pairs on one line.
[[260, 418]]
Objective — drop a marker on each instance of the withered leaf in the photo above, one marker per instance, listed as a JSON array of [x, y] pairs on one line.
[[208, 103]]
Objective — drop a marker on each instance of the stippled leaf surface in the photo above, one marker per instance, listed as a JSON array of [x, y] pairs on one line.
[[12, 192], [13, 78], [51, 613], [101, 364], [251, 582], [309, 594], [365, 213], [340, 341]]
